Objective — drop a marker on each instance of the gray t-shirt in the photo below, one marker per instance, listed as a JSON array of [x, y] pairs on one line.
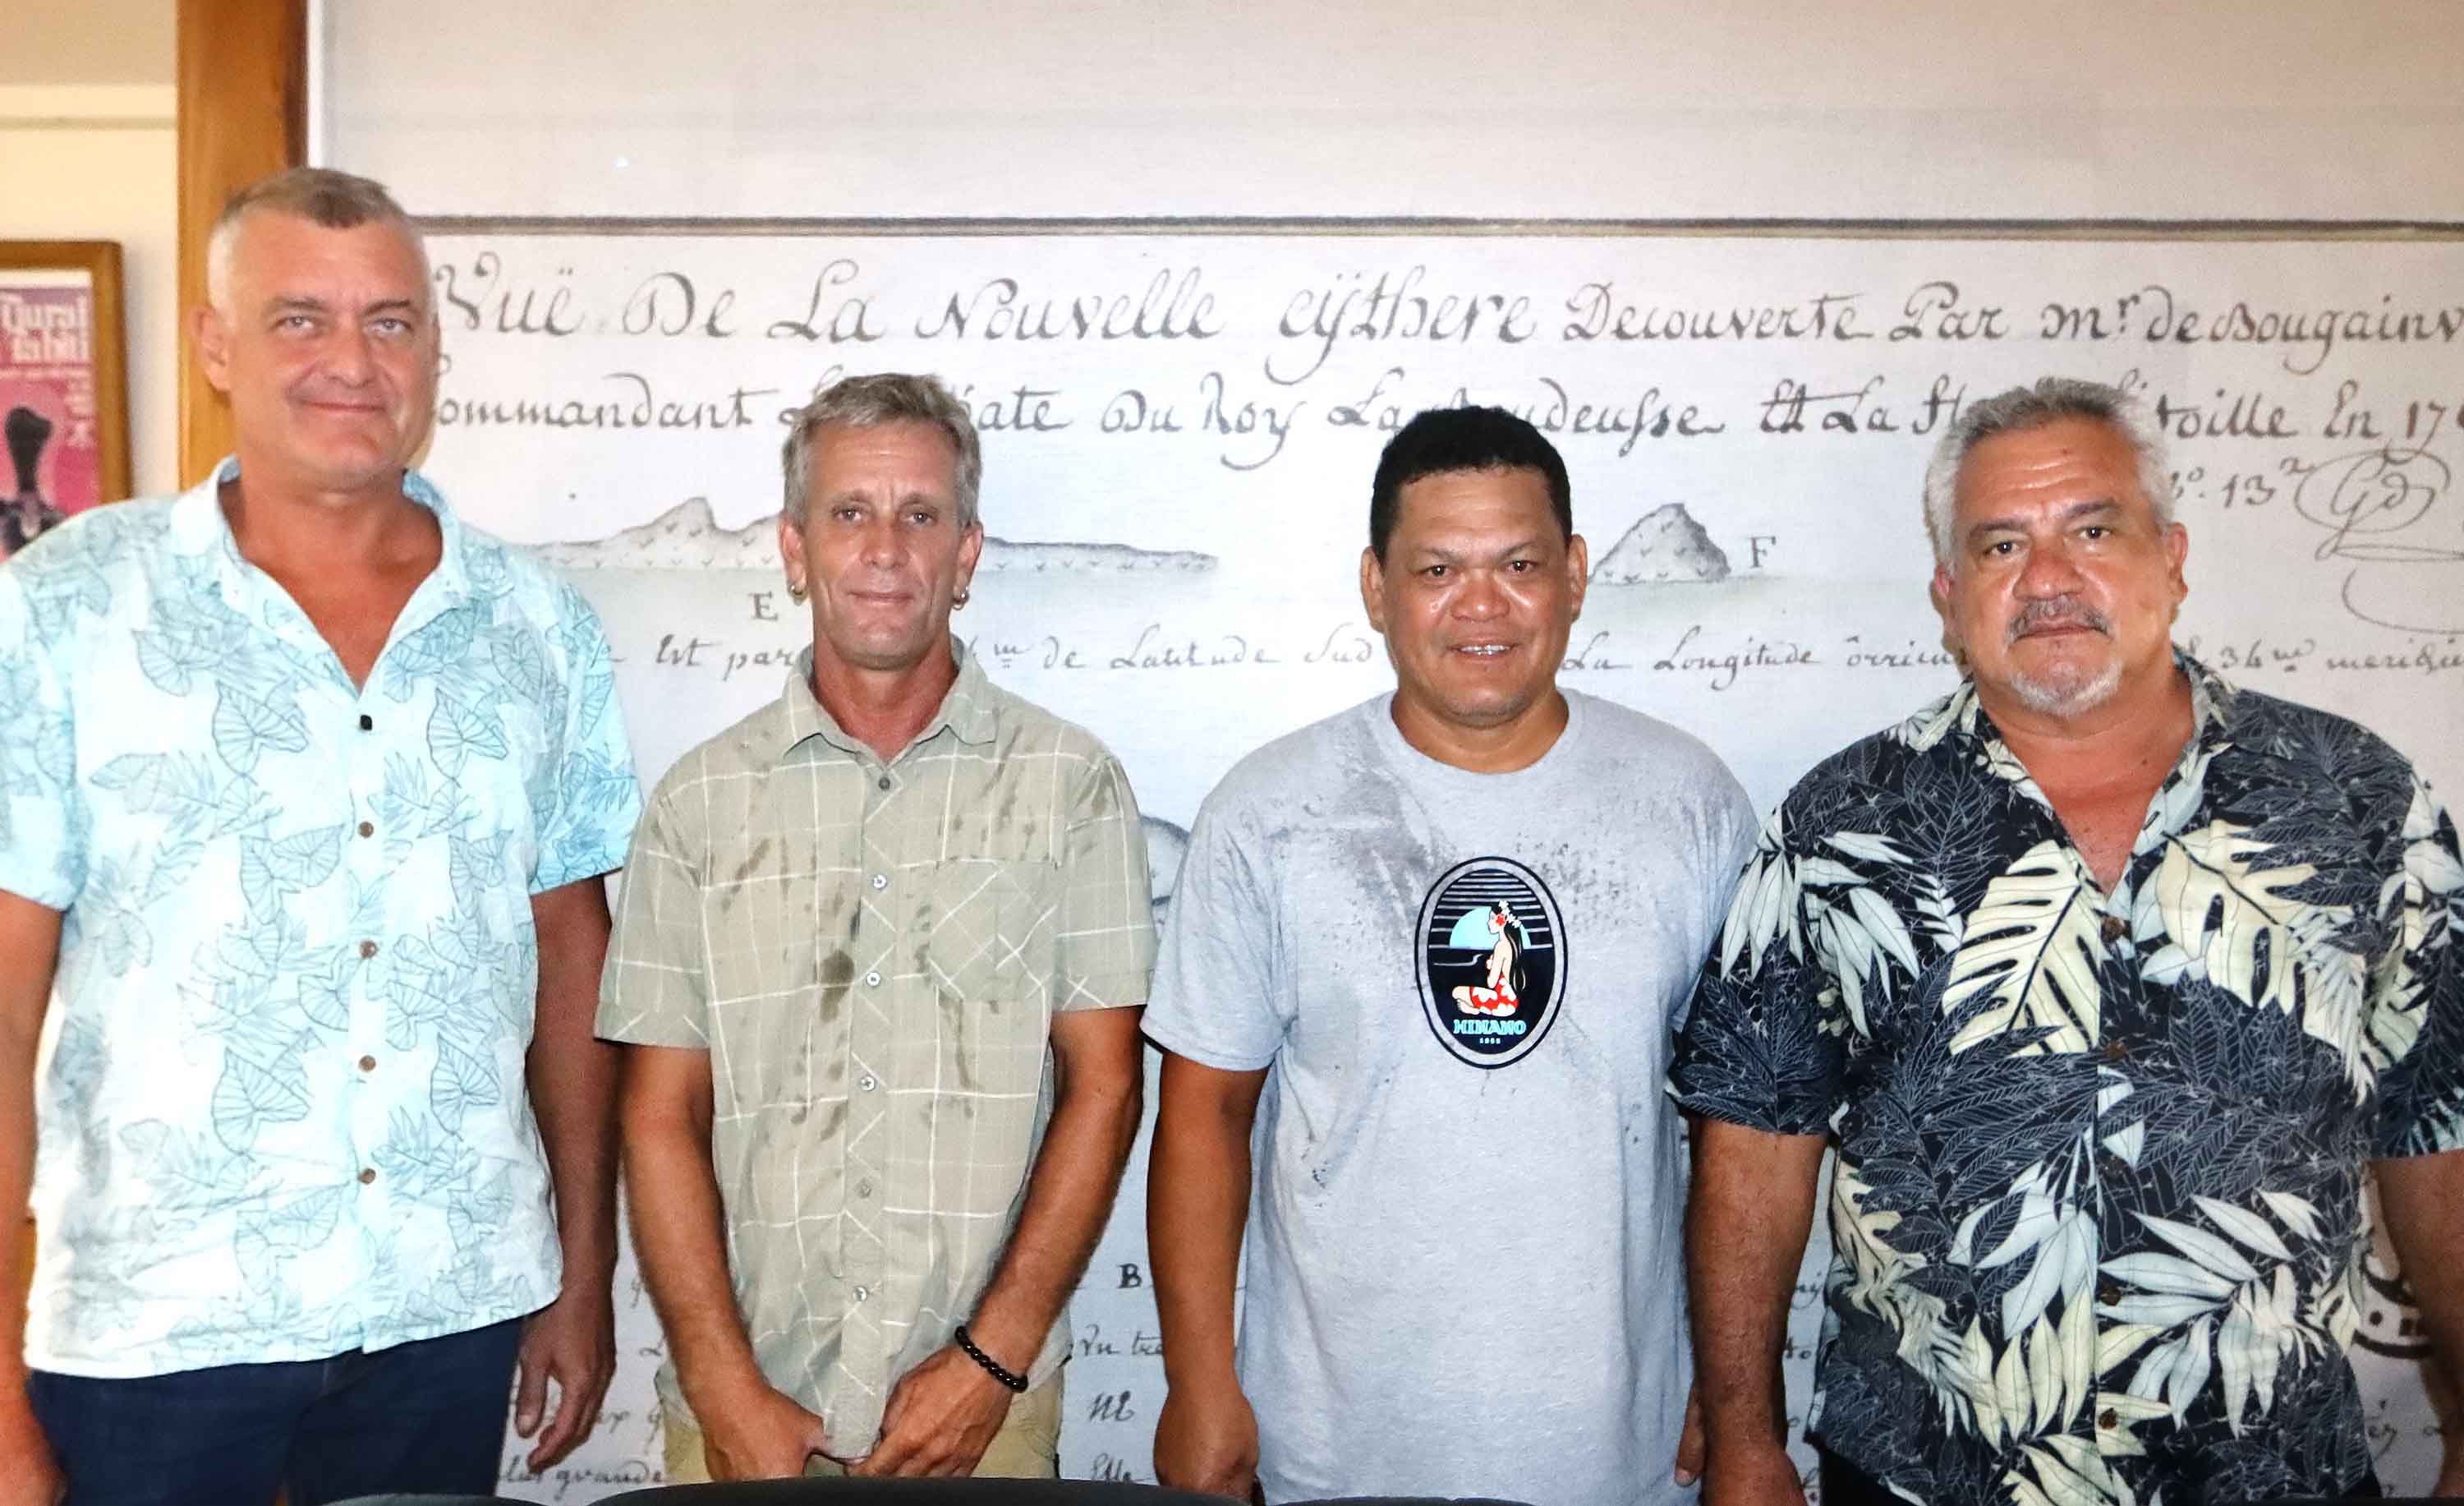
[[1464, 1269]]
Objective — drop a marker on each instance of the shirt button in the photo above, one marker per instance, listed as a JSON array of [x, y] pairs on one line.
[[2108, 1419], [367, 724], [873, 980], [866, 1082], [368, 1174], [881, 880], [367, 828], [884, 781], [367, 949], [2115, 1051], [2108, 1292], [863, 1294], [368, 1064], [864, 1190], [2113, 928]]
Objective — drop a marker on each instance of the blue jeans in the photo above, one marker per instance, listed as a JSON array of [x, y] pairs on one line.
[[419, 1417]]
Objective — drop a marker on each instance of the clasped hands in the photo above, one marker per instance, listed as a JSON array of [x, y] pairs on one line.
[[940, 1418]]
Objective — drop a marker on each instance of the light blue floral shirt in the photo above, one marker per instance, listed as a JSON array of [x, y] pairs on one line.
[[282, 1114]]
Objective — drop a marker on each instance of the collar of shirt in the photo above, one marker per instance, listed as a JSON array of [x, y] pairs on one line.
[[198, 525], [1961, 721], [967, 711]]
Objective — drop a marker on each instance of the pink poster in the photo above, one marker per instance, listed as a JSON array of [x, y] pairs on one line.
[[48, 415]]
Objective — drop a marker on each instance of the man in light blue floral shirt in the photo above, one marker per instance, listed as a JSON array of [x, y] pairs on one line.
[[306, 793]]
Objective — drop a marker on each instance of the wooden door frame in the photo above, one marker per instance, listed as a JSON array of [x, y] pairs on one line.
[[243, 101]]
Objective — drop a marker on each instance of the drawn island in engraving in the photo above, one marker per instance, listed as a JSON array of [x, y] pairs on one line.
[[1666, 544], [687, 537]]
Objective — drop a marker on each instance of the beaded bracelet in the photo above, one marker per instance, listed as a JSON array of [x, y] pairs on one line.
[[1008, 1378]]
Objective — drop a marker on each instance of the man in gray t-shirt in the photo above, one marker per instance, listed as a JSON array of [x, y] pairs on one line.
[[1456, 923]]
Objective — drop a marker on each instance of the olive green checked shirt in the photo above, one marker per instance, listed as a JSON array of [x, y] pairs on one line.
[[871, 952]]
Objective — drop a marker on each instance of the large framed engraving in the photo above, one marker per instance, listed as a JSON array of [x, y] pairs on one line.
[[63, 384]]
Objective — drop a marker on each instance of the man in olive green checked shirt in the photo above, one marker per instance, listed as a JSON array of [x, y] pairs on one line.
[[877, 967]]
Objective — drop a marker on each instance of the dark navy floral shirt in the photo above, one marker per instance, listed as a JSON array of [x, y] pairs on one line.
[[2097, 1220]]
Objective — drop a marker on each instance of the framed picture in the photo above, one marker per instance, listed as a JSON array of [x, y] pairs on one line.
[[63, 384]]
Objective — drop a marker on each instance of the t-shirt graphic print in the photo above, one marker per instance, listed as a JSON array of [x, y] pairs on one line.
[[1492, 961]]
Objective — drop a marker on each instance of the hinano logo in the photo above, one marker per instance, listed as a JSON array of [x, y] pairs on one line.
[[1492, 961]]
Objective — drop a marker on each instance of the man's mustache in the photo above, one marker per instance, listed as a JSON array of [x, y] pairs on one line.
[[2060, 611]]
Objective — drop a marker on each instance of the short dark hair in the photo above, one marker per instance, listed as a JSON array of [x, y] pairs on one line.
[[324, 196], [1441, 440]]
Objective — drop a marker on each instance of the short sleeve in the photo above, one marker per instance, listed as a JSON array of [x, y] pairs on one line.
[[596, 801], [1105, 948], [655, 992], [1755, 1051], [1727, 842], [42, 812], [1216, 997], [2417, 998]]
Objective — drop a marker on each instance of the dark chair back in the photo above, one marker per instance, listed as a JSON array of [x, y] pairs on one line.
[[912, 1493]]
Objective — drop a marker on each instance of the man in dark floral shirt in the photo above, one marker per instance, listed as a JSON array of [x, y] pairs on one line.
[[2109, 982]]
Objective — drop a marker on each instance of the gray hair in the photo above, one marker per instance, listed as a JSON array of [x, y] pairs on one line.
[[321, 196], [868, 402], [2051, 400]]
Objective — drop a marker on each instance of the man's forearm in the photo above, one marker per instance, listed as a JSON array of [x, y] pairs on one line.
[[571, 1090], [2423, 1199], [572, 1077], [679, 1244], [1197, 1205], [1747, 1217], [1069, 1196], [30, 937], [16, 1225], [17, 1187]]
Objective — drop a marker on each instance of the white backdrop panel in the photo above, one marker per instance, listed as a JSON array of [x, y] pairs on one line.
[[748, 108], [1180, 430]]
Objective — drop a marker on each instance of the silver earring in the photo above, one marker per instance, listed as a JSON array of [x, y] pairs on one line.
[[795, 593], [959, 600]]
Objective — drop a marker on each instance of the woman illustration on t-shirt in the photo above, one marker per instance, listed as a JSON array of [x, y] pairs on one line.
[[1502, 993]]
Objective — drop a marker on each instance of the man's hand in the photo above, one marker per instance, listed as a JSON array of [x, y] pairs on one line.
[[1207, 1440], [1758, 1474], [572, 1339], [941, 1417], [29, 1474], [759, 1436]]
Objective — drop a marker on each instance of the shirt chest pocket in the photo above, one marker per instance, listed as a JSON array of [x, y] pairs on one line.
[[501, 757], [989, 928], [988, 958]]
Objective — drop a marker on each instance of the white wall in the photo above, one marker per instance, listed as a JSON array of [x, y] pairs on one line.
[[92, 42], [101, 161], [89, 151], [1920, 108]]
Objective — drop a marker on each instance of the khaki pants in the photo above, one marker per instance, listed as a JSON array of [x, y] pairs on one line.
[[1027, 1446]]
